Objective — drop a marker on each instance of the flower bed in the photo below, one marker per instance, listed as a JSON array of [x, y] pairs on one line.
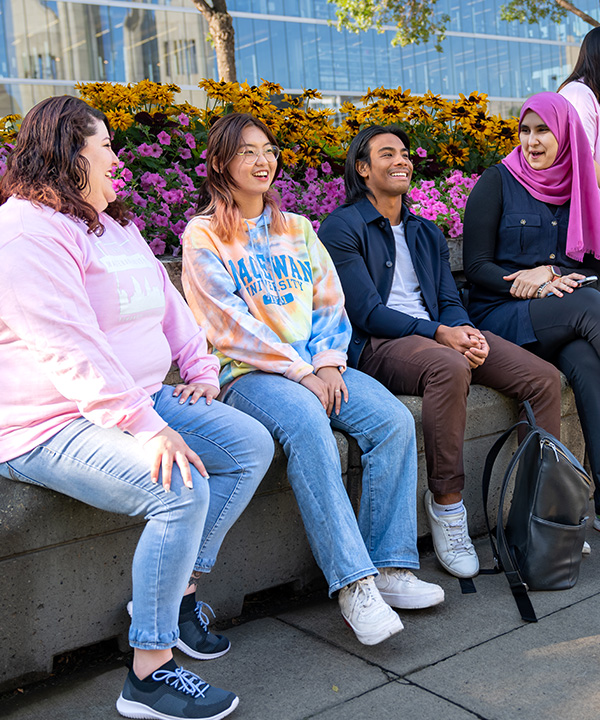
[[161, 147]]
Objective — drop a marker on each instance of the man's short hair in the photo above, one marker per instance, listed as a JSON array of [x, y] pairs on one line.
[[360, 151]]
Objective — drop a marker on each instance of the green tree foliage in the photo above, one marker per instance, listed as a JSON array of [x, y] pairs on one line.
[[415, 21], [532, 10]]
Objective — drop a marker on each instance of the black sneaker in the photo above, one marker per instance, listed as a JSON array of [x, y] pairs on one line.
[[172, 693], [195, 639]]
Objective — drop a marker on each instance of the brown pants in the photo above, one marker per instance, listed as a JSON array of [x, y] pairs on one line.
[[416, 365]]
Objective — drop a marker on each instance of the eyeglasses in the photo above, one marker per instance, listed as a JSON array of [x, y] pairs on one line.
[[250, 155]]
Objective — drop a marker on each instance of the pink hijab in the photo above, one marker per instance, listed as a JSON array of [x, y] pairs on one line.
[[571, 176]]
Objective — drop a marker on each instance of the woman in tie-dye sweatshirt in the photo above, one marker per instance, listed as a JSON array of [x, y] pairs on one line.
[[265, 290]]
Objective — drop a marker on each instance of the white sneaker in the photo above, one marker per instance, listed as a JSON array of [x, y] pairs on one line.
[[401, 589], [586, 549], [451, 541], [366, 613], [596, 522]]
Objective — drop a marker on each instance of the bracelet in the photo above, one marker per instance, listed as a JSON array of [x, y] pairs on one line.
[[541, 288]]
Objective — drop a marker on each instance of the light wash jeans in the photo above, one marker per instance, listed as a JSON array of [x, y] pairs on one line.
[[110, 470], [386, 532]]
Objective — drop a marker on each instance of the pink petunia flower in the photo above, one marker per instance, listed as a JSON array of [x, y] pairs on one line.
[[158, 246]]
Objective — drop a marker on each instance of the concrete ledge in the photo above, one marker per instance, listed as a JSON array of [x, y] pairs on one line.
[[65, 567]]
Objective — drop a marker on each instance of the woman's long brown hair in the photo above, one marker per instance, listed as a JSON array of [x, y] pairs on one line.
[[46, 166], [216, 198], [587, 67]]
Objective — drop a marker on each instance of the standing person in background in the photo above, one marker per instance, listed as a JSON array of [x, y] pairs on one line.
[[266, 291], [89, 327], [411, 332], [582, 90]]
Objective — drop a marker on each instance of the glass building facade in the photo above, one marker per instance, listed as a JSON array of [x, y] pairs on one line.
[[46, 46]]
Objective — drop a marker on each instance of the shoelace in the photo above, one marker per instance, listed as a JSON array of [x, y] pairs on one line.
[[457, 533], [364, 587], [182, 680], [201, 615]]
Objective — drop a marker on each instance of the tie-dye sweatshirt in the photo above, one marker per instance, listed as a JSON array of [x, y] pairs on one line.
[[267, 302]]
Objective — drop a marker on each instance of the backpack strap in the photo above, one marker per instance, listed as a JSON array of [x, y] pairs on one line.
[[503, 557]]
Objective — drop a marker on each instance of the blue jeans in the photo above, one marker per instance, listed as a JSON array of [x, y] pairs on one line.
[[386, 532], [109, 469]]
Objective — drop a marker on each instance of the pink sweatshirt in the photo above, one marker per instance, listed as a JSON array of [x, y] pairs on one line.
[[89, 326], [584, 100]]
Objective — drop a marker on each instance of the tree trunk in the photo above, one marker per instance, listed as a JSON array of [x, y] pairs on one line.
[[222, 33], [576, 11]]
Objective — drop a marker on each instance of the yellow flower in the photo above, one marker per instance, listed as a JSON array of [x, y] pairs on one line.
[[453, 154], [119, 119], [270, 87], [309, 94], [188, 109], [289, 157], [347, 108]]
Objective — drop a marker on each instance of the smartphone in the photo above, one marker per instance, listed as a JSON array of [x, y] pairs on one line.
[[589, 280]]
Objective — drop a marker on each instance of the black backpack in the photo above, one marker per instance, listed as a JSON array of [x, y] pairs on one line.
[[539, 547]]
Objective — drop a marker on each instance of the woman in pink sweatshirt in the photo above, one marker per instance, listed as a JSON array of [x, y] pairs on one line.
[[582, 90], [89, 326]]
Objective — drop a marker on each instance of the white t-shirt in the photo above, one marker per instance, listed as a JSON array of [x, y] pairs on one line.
[[405, 295]]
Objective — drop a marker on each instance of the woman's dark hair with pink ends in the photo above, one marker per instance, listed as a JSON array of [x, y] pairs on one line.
[[587, 67], [216, 198], [46, 166]]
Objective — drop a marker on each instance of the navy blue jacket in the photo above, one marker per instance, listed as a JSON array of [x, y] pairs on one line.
[[361, 242]]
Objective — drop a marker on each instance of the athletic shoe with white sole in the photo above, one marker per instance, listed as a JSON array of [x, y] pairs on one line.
[[172, 693], [451, 541], [586, 549], [401, 589], [195, 639], [366, 613]]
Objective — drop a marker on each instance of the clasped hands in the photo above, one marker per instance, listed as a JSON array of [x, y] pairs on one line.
[[527, 283], [329, 387], [467, 340]]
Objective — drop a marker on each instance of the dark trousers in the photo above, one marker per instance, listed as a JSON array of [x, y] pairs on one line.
[[568, 333], [416, 365]]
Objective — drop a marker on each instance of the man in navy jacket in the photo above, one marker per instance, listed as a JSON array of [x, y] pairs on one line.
[[411, 332]]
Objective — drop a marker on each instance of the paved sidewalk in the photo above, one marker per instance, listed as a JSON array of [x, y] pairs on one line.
[[471, 657]]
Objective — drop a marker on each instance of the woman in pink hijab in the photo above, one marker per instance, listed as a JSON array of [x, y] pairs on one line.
[[531, 249]]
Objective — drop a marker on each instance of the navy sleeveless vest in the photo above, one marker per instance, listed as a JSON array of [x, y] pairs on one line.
[[530, 233]]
